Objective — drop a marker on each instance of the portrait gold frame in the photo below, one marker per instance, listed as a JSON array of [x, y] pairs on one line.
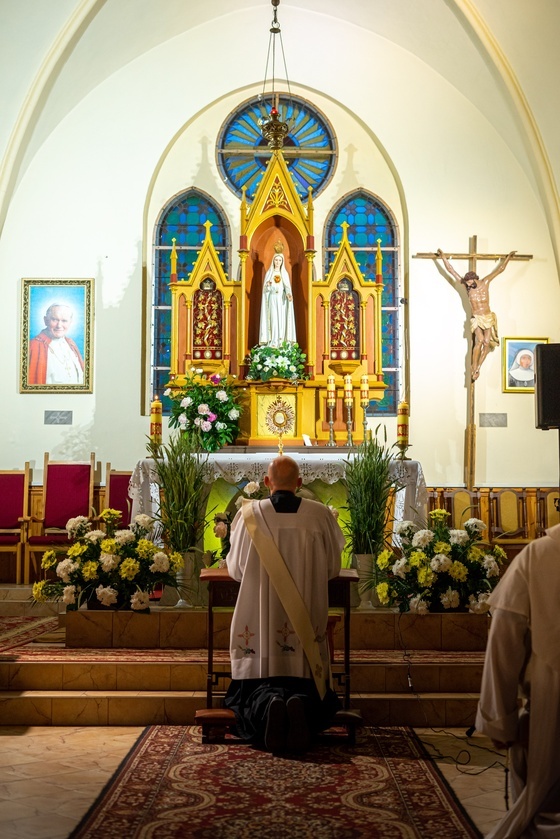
[[510, 348], [37, 296]]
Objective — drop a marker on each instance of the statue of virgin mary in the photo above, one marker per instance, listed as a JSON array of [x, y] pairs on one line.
[[277, 322]]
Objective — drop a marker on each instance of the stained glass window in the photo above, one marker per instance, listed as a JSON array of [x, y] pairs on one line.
[[183, 220], [309, 147], [369, 220]]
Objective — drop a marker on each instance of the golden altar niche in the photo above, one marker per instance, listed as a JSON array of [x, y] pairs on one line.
[[216, 320]]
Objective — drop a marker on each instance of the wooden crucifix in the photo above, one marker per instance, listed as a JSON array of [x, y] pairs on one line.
[[484, 326]]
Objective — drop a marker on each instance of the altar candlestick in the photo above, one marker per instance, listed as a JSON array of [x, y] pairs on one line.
[[331, 391], [331, 404], [364, 401], [155, 421], [364, 391], [402, 426], [349, 402], [348, 391]]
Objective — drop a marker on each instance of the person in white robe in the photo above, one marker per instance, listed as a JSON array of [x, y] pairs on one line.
[[273, 690], [519, 707], [277, 322]]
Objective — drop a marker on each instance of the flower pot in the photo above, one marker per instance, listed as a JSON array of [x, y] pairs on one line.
[[189, 592], [366, 571]]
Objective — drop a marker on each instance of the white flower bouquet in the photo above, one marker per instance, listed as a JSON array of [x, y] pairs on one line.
[[207, 409], [114, 567], [284, 362], [439, 568]]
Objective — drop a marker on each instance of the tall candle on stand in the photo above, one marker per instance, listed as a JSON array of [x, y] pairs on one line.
[[364, 401], [349, 402], [348, 392], [155, 420], [402, 426], [331, 404], [364, 391], [331, 392]]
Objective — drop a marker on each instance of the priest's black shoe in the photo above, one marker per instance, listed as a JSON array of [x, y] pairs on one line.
[[276, 726], [299, 737]]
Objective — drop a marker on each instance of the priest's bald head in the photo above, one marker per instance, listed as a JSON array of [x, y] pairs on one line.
[[283, 473]]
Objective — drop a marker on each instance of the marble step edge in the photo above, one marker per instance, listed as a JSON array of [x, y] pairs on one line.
[[364, 658], [94, 708], [8, 695], [386, 683]]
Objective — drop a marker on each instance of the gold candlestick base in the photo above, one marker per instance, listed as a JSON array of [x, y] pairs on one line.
[[403, 448], [364, 405], [331, 441], [349, 440]]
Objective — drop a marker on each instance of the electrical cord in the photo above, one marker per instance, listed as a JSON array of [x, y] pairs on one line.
[[464, 756]]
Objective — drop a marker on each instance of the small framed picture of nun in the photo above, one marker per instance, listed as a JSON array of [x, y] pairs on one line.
[[518, 364]]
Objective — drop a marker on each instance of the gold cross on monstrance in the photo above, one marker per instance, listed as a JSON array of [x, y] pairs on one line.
[[483, 325]]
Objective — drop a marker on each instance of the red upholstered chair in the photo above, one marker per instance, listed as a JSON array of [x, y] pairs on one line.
[[116, 492], [67, 492], [14, 514]]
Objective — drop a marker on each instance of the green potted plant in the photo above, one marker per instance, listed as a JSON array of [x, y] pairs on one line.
[[369, 487], [180, 467]]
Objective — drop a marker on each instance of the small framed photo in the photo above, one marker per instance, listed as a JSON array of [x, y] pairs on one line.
[[518, 364], [57, 336]]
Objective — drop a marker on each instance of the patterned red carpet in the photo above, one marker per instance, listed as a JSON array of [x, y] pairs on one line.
[[15, 631], [172, 786]]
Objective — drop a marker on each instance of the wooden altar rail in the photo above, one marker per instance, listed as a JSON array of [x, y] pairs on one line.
[[514, 515], [536, 508]]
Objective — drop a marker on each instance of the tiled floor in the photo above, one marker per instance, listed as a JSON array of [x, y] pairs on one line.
[[473, 769], [50, 776]]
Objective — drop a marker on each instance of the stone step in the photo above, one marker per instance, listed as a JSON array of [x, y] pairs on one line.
[[17, 600], [114, 708], [390, 674], [182, 629]]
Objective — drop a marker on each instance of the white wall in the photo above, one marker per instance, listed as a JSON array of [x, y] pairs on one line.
[[87, 204]]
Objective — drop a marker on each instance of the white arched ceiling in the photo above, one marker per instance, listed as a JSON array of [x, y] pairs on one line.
[[499, 54]]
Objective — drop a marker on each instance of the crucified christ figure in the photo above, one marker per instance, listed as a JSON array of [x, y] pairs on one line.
[[484, 324]]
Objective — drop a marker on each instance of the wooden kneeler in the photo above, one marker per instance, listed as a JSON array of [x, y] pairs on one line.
[[215, 723]]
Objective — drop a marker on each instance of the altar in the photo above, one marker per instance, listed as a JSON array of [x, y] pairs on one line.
[[322, 471]]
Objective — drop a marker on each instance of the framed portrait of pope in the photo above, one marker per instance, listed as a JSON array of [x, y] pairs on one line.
[[56, 340]]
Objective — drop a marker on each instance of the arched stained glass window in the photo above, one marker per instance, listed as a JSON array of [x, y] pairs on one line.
[[309, 147], [369, 220], [183, 220]]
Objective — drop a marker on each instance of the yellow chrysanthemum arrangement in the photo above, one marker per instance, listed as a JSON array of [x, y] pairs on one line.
[[117, 568], [439, 568]]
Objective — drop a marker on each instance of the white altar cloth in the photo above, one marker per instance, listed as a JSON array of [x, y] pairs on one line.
[[326, 465]]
